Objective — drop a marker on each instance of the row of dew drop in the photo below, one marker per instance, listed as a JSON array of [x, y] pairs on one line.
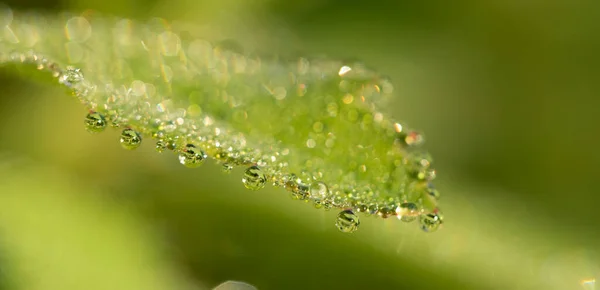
[[317, 193], [417, 164]]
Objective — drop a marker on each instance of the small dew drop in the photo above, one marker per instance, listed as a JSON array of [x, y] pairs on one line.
[[130, 139], [226, 168], [161, 145], [372, 208], [95, 122], [191, 156], [347, 221], [385, 212], [71, 76], [407, 212], [431, 222], [254, 178], [318, 192], [300, 192]]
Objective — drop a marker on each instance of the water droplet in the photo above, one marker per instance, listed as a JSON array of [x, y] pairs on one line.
[[226, 168], [361, 206], [431, 222], [318, 192], [95, 122], [385, 212], [161, 145], [191, 156], [347, 221], [130, 139], [254, 178], [407, 212], [71, 76], [301, 192], [372, 209]]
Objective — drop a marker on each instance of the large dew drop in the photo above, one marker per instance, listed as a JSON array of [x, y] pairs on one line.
[[95, 122], [254, 178], [130, 139], [347, 221], [431, 222], [191, 156]]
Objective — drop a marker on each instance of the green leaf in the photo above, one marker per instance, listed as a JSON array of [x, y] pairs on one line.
[[314, 126]]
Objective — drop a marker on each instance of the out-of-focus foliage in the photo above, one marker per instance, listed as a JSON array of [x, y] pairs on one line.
[[505, 91]]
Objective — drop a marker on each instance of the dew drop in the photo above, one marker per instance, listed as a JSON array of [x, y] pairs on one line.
[[372, 208], [95, 122], [161, 145], [361, 206], [226, 167], [407, 212], [254, 178], [431, 222], [301, 192], [347, 221], [130, 139], [385, 212], [191, 156], [71, 76], [318, 192]]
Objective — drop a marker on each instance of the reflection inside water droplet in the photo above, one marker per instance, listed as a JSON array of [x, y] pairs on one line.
[[254, 178], [130, 139], [431, 222], [347, 221], [71, 76], [95, 122], [226, 168], [191, 156]]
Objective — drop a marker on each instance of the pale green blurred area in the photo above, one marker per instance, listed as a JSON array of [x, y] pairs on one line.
[[506, 92]]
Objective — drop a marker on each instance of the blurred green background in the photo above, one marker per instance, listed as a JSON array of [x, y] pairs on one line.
[[505, 90]]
